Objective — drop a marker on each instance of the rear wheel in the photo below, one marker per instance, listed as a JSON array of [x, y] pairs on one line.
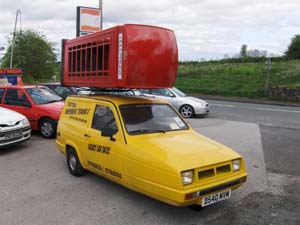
[[187, 111], [48, 128], [74, 165]]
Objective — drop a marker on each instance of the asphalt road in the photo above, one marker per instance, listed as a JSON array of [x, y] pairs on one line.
[[279, 127], [280, 137], [268, 115], [36, 187]]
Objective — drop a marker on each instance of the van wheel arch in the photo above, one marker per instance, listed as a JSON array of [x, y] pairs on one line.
[[73, 162]]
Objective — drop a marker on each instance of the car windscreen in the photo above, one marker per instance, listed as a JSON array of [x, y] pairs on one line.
[[151, 118], [178, 92], [42, 95]]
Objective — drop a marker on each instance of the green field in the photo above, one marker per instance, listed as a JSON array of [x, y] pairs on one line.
[[236, 79]]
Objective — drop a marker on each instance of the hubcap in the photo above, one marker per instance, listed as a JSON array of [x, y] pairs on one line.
[[186, 111], [72, 162], [46, 129]]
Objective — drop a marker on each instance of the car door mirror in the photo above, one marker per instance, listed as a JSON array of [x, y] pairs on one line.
[[27, 104], [23, 103], [172, 95], [108, 132]]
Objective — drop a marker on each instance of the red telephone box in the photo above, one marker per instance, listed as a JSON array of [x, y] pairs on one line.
[[128, 56]]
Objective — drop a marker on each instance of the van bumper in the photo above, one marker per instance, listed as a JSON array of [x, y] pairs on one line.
[[189, 196]]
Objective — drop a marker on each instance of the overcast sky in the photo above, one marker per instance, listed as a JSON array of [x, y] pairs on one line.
[[204, 28]]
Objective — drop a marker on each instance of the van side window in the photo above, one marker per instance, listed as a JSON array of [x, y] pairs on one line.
[[104, 118], [16, 97]]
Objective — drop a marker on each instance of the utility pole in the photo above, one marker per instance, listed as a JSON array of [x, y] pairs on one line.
[[269, 66], [101, 8], [14, 35]]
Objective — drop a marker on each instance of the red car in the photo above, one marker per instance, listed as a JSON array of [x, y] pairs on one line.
[[39, 104]]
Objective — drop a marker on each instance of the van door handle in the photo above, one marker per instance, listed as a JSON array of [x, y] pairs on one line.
[[86, 135]]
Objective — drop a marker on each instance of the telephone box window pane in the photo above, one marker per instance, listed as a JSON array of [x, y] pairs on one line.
[[100, 60], [106, 56], [94, 58]]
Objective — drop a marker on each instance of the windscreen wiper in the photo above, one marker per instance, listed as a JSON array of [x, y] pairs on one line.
[[146, 131], [54, 101]]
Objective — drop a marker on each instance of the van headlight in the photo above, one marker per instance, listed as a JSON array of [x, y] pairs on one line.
[[187, 177], [25, 122], [236, 165]]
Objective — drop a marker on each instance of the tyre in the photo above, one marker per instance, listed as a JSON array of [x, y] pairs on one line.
[[187, 111], [48, 128], [196, 208], [74, 164]]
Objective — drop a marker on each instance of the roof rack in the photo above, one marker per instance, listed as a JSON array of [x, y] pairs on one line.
[[115, 91]]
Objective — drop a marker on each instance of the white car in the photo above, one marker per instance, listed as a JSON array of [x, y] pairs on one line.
[[187, 106], [14, 127]]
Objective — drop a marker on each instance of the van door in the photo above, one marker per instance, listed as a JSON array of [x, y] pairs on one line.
[[104, 153]]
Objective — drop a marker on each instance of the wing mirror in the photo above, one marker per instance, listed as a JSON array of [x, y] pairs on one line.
[[26, 104], [172, 95], [108, 132]]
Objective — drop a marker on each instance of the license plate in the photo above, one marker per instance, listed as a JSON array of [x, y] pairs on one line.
[[13, 135], [217, 197]]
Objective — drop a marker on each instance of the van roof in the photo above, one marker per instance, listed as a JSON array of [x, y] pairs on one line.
[[121, 100]]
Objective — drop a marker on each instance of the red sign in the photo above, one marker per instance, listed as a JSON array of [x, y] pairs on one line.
[[11, 71]]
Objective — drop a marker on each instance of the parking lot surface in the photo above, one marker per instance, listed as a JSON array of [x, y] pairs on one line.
[[36, 187]]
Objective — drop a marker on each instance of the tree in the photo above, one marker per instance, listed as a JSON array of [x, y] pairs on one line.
[[293, 51], [243, 51], [34, 54], [254, 53], [226, 56]]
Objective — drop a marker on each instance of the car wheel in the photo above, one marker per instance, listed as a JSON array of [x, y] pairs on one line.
[[48, 128], [74, 164], [187, 111], [196, 208]]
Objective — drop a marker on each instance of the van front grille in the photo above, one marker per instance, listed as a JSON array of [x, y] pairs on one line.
[[216, 170], [206, 174], [223, 169]]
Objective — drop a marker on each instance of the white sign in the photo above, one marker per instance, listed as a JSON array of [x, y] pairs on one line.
[[120, 55], [89, 20]]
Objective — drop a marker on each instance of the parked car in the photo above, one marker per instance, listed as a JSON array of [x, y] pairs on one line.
[[64, 91], [188, 106], [14, 128], [39, 104]]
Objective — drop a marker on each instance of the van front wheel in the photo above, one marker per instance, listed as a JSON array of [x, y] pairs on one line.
[[74, 164]]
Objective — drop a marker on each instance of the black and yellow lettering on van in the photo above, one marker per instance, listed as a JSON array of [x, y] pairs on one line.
[[108, 171], [99, 148], [78, 111]]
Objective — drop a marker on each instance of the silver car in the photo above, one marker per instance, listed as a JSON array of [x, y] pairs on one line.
[[14, 128], [187, 106]]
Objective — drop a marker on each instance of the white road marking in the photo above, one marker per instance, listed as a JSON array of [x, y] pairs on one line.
[[223, 105], [279, 110], [262, 109]]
